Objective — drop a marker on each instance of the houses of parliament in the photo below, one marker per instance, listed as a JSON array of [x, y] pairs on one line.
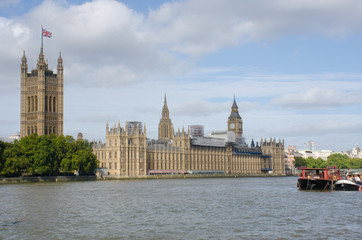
[[128, 153]]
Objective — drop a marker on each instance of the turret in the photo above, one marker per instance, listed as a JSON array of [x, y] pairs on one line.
[[41, 64], [24, 64], [60, 64]]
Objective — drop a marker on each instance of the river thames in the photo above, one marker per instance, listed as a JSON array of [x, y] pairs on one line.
[[210, 208]]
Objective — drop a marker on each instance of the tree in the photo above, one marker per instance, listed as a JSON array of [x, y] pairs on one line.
[[300, 162], [46, 155]]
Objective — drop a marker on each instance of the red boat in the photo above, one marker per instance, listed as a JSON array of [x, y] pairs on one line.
[[318, 178]]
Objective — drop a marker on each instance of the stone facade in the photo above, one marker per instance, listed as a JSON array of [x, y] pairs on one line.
[[127, 152], [41, 98]]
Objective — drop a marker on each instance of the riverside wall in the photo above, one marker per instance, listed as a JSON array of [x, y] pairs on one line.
[[10, 180], [15, 180]]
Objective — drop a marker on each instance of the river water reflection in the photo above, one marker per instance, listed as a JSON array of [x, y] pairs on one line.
[[223, 208]]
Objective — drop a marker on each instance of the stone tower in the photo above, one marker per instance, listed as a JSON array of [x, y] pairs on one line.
[[165, 128], [41, 98], [235, 123]]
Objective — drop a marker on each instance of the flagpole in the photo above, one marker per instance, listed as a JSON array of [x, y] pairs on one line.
[[41, 49]]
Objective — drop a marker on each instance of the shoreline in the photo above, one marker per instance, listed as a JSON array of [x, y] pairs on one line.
[[39, 179]]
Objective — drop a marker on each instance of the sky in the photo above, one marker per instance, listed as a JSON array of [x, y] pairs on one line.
[[294, 67]]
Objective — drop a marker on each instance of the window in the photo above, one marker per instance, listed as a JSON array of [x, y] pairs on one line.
[[115, 154], [53, 104], [36, 103], [32, 104], [110, 165], [54, 129], [50, 104], [110, 142], [28, 105], [110, 155], [115, 142], [115, 165], [46, 104]]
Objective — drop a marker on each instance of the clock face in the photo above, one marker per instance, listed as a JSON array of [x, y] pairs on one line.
[[232, 125]]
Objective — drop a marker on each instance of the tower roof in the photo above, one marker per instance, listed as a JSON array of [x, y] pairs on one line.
[[234, 103], [234, 110]]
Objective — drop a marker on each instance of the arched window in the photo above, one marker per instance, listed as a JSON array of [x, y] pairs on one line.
[[50, 103], [32, 104], [46, 103], [46, 131], [28, 130], [50, 130], [36, 103], [36, 129], [28, 105], [32, 130], [54, 129], [53, 104]]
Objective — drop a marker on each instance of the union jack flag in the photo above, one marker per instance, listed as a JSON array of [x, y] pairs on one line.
[[46, 33]]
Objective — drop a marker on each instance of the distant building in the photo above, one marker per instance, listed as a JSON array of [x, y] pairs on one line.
[[80, 136], [356, 152], [15, 136], [11, 138], [41, 98], [127, 152], [196, 131], [305, 153], [311, 145]]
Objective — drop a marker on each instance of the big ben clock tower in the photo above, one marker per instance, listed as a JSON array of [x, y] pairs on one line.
[[235, 123]]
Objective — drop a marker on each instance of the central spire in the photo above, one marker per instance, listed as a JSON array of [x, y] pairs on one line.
[[165, 128]]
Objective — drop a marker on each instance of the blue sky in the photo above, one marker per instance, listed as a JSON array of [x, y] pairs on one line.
[[294, 66]]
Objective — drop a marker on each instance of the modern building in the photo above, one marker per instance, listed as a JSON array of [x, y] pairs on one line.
[[128, 153], [41, 98], [305, 153]]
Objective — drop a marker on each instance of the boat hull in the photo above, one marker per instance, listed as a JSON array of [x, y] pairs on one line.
[[345, 185], [315, 184]]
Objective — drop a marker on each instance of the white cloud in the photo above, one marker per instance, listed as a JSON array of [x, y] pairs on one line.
[[319, 98], [119, 63], [202, 26]]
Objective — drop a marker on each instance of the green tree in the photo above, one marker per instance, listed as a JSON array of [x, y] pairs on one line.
[[300, 162], [339, 160], [14, 163], [46, 155]]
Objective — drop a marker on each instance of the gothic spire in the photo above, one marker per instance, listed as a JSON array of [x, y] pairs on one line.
[[234, 103], [234, 110], [24, 60]]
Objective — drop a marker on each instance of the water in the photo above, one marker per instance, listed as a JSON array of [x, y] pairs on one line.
[[225, 208]]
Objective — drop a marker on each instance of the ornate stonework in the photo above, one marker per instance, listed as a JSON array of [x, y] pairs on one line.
[[128, 152], [165, 128], [41, 98]]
